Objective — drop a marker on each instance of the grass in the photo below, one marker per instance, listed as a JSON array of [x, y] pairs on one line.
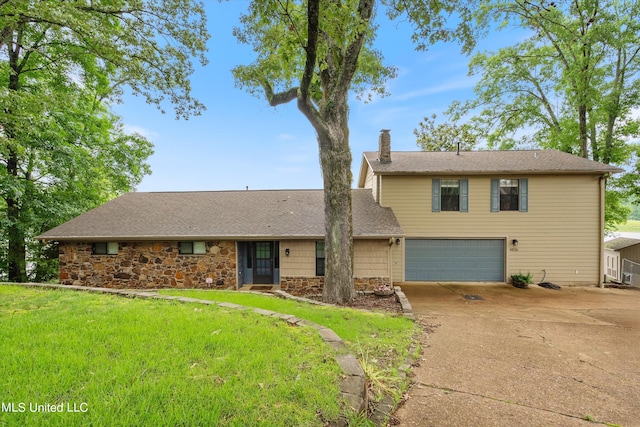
[[119, 361], [631, 226], [380, 341]]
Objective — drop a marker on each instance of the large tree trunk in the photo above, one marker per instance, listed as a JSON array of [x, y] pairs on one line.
[[17, 253], [613, 105], [335, 158], [582, 121]]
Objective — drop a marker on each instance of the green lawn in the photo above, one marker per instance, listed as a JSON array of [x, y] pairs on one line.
[[380, 341], [630, 226], [119, 361]]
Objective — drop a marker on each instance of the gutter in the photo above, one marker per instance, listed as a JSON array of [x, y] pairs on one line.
[[601, 272]]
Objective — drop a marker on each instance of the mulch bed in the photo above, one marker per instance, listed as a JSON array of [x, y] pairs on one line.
[[369, 301]]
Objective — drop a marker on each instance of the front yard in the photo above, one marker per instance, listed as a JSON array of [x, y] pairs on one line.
[[75, 358]]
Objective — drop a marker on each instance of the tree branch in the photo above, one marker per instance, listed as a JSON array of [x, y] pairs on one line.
[[365, 10], [313, 16], [305, 102], [276, 99]]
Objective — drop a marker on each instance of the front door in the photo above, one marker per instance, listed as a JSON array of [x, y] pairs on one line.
[[263, 268]]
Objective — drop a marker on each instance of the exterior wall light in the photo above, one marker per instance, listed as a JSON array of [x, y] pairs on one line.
[[397, 241], [286, 251], [514, 242]]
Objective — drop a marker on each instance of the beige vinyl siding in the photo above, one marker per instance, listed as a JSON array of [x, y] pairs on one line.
[[301, 260], [397, 262], [371, 181], [560, 233], [371, 258]]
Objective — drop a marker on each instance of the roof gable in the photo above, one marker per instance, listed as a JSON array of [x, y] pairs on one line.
[[221, 215]]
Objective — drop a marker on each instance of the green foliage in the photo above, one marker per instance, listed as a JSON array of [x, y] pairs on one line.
[[63, 151], [158, 363], [444, 136], [571, 84], [437, 20], [522, 278], [143, 44], [278, 33], [616, 209]]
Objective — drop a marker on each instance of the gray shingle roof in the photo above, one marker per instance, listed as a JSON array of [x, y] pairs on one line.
[[485, 163], [620, 243], [222, 214]]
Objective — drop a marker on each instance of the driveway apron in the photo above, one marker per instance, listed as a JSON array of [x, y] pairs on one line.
[[496, 355]]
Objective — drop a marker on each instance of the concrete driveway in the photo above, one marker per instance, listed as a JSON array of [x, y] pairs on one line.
[[524, 357]]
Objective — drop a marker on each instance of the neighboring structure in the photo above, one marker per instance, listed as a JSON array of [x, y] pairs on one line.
[[417, 216], [483, 216], [617, 250], [223, 238]]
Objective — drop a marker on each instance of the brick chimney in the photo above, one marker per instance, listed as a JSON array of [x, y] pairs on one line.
[[384, 146]]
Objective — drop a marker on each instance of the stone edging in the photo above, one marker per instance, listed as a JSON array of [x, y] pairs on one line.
[[353, 384], [384, 408]]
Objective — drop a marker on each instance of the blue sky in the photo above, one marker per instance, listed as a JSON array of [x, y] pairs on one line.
[[241, 141]]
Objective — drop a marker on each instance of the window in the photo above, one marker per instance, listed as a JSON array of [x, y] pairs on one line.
[[105, 248], [320, 258], [509, 195], [450, 195], [192, 248]]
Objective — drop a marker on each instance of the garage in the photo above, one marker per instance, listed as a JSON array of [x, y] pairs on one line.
[[454, 260]]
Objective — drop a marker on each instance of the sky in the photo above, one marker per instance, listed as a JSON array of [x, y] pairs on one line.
[[240, 141]]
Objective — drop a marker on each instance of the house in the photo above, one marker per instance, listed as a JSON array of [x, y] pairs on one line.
[[417, 216], [615, 252], [485, 215], [219, 238]]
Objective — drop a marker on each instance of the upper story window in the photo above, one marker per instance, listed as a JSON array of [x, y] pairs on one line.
[[320, 258], [192, 248], [105, 248], [510, 195], [450, 195]]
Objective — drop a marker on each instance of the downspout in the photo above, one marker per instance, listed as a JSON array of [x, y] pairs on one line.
[[603, 180], [389, 268]]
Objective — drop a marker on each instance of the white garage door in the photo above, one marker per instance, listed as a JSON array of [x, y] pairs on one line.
[[454, 260]]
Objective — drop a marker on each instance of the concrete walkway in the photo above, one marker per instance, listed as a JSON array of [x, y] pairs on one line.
[[525, 357]]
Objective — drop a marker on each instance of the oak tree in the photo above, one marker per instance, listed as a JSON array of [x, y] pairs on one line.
[[61, 64], [314, 53]]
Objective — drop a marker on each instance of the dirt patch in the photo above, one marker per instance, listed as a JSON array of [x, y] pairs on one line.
[[374, 302]]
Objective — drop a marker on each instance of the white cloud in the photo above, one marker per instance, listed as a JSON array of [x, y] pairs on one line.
[[147, 133], [458, 84]]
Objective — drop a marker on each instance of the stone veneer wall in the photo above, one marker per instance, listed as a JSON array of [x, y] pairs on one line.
[[314, 284], [148, 265]]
